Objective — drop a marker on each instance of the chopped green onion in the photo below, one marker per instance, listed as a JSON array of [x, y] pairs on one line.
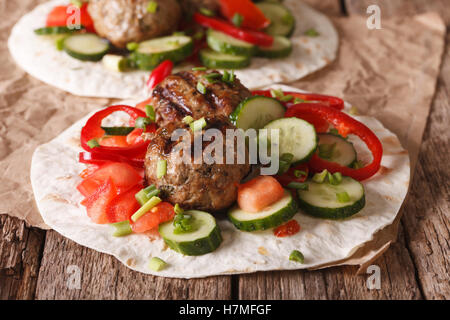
[[77, 3], [298, 186], [320, 177], [207, 12], [142, 122], [188, 120], [337, 177], [331, 179], [297, 256], [237, 19], [157, 264], [358, 165], [122, 228], [152, 6], [232, 76], [60, 43], [198, 125], [299, 173], [298, 100], [179, 33], [131, 46], [287, 19], [198, 36], [288, 157], [93, 143], [199, 69], [343, 197], [286, 98], [353, 111], [285, 162], [150, 112], [277, 93], [161, 168], [150, 204], [182, 223], [226, 76], [178, 209], [326, 150], [146, 194], [312, 33], [212, 77], [201, 88]]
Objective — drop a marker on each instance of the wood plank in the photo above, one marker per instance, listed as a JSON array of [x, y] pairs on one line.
[[391, 8], [20, 252], [104, 277], [427, 221], [340, 283]]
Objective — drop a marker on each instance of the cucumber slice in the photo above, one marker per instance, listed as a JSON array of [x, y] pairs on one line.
[[297, 137], [272, 217], [47, 31], [86, 47], [115, 62], [255, 112], [151, 53], [343, 151], [221, 42], [217, 60], [320, 200], [282, 20], [117, 131], [281, 47], [205, 238]]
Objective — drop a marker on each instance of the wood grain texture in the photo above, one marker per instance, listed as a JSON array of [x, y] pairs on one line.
[[20, 251], [391, 8], [104, 277], [341, 283], [427, 221]]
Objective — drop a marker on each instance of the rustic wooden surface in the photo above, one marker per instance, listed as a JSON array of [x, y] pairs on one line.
[[34, 264]]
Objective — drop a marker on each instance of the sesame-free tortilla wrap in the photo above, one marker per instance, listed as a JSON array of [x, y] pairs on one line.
[[54, 177], [38, 56]]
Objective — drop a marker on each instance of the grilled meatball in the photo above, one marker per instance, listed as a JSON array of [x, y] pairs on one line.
[[124, 21], [177, 97], [191, 6], [201, 186]]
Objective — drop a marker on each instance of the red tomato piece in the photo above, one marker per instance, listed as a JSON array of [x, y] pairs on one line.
[[122, 207], [253, 17], [91, 168], [135, 136], [61, 16], [259, 193], [113, 141], [161, 213], [99, 201], [57, 17], [288, 229]]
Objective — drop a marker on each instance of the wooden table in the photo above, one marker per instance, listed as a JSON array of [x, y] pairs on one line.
[[33, 263]]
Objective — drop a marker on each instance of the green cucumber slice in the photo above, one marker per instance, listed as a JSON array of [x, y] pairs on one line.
[[297, 137], [281, 47], [48, 31], [320, 200], [257, 111], [204, 239], [151, 53], [117, 131], [115, 62], [282, 20], [221, 42], [218, 60], [343, 151], [86, 47], [272, 217]]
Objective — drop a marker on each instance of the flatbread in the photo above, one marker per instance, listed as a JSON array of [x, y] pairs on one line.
[[39, 57], [54, 176]]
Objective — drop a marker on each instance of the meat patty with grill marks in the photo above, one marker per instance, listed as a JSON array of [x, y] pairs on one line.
[[177, 97], [195, 184]]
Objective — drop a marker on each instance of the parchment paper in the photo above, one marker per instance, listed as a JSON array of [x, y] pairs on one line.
[[390, 74]]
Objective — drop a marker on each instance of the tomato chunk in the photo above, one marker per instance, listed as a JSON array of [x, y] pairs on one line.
[[288, 229], [122, 207], [161, 213], [61, 16], [253, 17], [99, 201], [259, 193], [113, 141]]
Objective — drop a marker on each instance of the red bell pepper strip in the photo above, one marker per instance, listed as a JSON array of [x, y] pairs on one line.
[[92, 130], [330, 101], [101, 159], [321, 125], [345, 125], [61, 16], [254, 37], [253, 17], [158, 74]]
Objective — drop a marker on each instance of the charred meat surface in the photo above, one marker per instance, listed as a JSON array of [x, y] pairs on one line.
[[189, 181], [178, 96], [124, 21]]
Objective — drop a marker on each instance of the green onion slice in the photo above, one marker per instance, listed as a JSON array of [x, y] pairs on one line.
[[93, 143], [343, 197], [198, 125], [201, 88], [320, 177], [153, 202], [150, 111], [298, 185], [297, 256], [161, 169], [157, 264], [142, 122], [122, 228], [152, 6]]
